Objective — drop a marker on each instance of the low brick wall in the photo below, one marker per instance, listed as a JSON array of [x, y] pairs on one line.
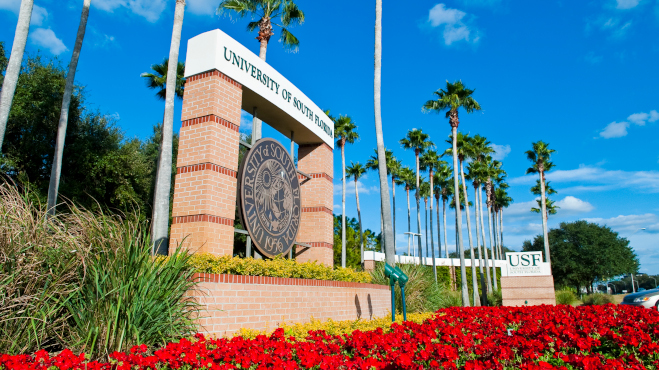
[[527, 290], [258, 302]]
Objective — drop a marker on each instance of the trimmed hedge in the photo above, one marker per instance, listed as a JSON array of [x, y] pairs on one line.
[[276, 267]]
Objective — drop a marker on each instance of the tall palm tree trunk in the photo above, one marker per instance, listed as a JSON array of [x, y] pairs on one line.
[[343, 205], [458, 218], [452, 268], [164, 181], [432, 239], [14, 65], [544, 217], [393, 207], [445, 235], [439, 234], [409, 222], [501, 227], [500, 234], [496, 234], [382, 159], [474, 278], [425, 200], [488, 261], [418, 208], [265, 28], [56, 169], [478, 228], [359, 217], [489, 228]]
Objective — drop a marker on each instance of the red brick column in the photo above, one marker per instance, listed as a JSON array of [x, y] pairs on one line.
[[205, 187], [317, 224]]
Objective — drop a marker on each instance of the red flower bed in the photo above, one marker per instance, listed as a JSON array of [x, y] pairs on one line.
[[541, 337]]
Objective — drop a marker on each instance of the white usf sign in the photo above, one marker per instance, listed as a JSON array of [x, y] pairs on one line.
[[526, 264]]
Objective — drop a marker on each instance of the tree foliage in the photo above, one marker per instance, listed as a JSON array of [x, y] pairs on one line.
[[101, 167], [353, 258], [584, 252]]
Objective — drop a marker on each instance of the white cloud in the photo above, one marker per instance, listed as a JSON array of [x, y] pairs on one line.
[[481, 3], [453, 20], [202, 7], [571, 204], [149, 9], [614, 129], [350, 187], [500, 151], [641, 118], [627, 4], [630, 223], [39, 14], [644, 181], [11, 5], [246, 122], [46, 38]]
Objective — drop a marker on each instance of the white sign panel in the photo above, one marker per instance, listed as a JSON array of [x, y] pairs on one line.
[[526, 264], [279, 103]]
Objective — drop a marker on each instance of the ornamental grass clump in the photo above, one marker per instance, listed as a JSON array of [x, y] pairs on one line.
[[85, 280], [276, 267], [565, 296]]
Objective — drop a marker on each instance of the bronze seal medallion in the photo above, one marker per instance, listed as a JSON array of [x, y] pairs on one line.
[[269, 196]]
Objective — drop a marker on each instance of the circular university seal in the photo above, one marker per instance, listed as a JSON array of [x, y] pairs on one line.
[[269, 196]]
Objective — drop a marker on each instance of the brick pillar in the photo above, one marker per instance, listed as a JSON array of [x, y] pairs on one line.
[[317, 224], [206, 170]]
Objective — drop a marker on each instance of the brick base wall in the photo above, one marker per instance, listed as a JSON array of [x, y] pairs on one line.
[[257, 302], [527, 290]]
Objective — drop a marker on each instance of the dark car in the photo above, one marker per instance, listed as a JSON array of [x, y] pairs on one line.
[[647, 299]]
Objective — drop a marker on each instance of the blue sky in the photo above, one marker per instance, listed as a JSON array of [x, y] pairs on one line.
[[580, 75]]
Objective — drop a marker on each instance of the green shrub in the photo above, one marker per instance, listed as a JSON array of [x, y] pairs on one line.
[[566, 297], [276, 267], [597, 299], [495, 299]]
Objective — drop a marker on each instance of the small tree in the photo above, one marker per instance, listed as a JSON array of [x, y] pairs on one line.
[[584, 252]]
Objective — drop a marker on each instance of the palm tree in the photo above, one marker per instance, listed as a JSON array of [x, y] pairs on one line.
[[463, 143], [356, 170], [157, 79], [407, 176], [345, 132], [490, 170], [540, 156], [475, 169], [442, 179], [160, 221], [451, 99], [56, 169], [266, 11], [478, 150], [498, 183], [430, 160], [552, 208], [379, 136], [393, 168], [14, 65], [503, 200], [424, 193], [418, 141]]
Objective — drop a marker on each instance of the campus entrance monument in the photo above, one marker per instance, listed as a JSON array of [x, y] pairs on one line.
[[281, 205], [526, 280]]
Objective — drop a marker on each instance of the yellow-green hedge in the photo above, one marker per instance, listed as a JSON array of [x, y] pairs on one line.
[[301, 330], [277, 267]]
